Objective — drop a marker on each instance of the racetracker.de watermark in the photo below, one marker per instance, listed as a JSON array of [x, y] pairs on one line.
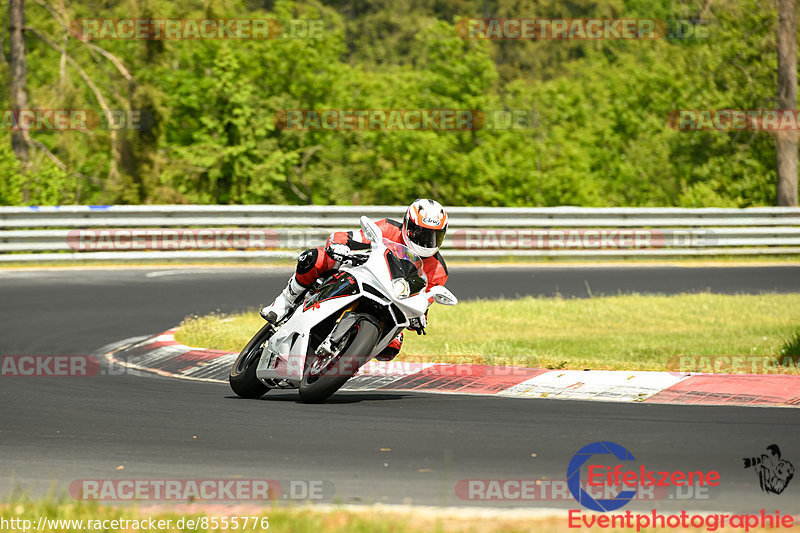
[[579, 239], [733, 120], [734, 364], [477, 490], [94, 240], [74, 119], [64, 366], [454, 120], [348, 365], [175, 489], [191, 29], [580, 29], [182, 490], [49, 366]]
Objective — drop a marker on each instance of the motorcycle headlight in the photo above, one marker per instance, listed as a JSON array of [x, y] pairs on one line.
[[401, 288]]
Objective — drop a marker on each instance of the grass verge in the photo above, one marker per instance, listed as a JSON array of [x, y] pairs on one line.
[[626, 332], [296, 520], [70, 516]]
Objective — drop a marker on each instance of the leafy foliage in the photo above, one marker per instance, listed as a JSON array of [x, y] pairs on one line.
[[600, 135]]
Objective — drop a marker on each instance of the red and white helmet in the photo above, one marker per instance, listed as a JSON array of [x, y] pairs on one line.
[[424, 227]]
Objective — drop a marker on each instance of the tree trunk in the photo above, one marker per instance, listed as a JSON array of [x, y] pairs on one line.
[[787, 99], [62, 64], [19, 72]]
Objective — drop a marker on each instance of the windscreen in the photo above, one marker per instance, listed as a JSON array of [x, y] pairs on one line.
[[403, 263]]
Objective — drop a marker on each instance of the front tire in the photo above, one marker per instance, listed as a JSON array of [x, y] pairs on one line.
[[316, 389], [242, 377]]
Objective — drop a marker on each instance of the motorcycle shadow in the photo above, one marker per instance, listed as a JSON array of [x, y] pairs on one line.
[[338, 398]]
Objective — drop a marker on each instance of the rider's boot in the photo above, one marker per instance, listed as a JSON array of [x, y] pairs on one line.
[[392, 349], [284, 301]]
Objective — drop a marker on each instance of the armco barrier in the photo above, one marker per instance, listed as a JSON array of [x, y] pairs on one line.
[[185, 232]]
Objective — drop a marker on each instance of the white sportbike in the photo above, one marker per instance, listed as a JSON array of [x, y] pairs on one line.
[[344, 320]]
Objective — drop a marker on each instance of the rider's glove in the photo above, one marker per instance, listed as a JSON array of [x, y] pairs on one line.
[[418, 324], [338, 251]]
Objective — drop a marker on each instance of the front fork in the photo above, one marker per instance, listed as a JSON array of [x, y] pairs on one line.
[[346, 320]]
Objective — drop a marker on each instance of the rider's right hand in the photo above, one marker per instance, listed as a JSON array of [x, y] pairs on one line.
[[418, 324]]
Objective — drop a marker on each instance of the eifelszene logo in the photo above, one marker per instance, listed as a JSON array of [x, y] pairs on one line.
[[774, 473], [606, 476]]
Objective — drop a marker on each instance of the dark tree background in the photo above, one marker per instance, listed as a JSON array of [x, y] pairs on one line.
[[600, 135]]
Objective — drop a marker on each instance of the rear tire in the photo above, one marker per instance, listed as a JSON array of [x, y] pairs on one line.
[[358, 352], [242, 377]]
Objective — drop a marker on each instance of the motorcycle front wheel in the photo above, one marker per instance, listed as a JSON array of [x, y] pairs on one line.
[[242, 377], [322, 379]]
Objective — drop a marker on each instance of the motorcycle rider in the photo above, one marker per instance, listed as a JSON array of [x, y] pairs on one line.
[[422, 231]]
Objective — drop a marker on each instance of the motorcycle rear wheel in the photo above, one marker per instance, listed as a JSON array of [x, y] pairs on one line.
[[318, 388]]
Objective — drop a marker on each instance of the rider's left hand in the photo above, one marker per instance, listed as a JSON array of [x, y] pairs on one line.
[[338, 251]]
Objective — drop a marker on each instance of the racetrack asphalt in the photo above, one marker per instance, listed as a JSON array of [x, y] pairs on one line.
[[372, 447]]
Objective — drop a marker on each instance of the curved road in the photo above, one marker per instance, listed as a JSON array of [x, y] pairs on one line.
[[367, 447]]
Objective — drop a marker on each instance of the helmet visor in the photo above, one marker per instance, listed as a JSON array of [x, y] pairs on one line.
[[425, 237]]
